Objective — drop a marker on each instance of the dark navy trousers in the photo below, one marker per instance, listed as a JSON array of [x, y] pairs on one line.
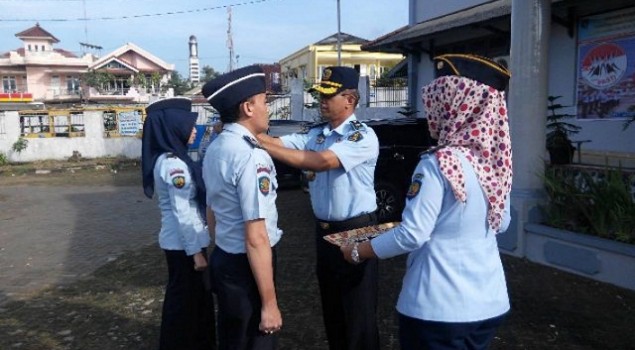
[[239, 303], [348, 292], [187, 320], [415, 334]]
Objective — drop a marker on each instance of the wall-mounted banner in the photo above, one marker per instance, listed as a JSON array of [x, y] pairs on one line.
[[129, 123], [606, 66]]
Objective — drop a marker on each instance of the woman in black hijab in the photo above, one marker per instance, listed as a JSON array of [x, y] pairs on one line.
[[187, 319]]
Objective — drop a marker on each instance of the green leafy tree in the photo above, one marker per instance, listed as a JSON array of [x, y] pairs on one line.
[[97, 79], [208, 74], [177, 83], [155, 80]]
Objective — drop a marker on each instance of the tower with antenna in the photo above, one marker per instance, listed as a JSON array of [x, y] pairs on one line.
[[195, 73], [230, 41]]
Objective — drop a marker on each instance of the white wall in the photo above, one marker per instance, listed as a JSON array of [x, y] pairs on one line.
[[605, 135], [93, 145]]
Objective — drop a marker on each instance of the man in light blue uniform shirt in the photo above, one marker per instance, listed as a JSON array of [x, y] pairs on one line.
[[241, 179], [340, 158]]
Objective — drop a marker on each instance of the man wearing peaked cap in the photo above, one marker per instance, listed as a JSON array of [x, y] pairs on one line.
[[336, 80], [241, 179], [339, 158], [477, 68]]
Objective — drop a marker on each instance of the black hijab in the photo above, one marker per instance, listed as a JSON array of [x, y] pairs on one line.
[[167, 128]]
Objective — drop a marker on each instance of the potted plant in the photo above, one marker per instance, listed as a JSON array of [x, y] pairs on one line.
[[558, 131]]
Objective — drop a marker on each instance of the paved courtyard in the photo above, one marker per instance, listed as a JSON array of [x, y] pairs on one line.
[[50, 235]]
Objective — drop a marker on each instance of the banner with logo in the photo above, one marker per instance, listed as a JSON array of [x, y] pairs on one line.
[[606, 66]]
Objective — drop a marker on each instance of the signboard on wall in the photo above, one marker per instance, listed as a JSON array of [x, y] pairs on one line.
[[129, 123], [606, 66]]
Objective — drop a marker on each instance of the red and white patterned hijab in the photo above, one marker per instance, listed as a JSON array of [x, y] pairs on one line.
[[470, 117]]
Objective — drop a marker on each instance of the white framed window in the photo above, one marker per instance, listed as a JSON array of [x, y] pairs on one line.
[[9, 84], [72, 84]]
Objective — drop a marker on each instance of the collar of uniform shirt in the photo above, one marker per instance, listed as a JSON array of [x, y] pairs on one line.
[[341, 129]]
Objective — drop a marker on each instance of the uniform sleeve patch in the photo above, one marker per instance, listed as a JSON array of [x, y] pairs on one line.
[[415, 186], [178, 181], [356, 136], [264, 185]]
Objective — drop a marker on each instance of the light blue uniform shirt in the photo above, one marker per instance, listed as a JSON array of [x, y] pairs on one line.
[[454, 271], [181, 225], [348, 191], [241, 184]]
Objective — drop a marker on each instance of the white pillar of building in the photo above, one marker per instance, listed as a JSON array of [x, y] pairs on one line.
[[530, 25]]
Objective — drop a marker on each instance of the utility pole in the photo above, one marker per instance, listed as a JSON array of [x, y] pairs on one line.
[[339, 40], [230, 41], [85, 21]]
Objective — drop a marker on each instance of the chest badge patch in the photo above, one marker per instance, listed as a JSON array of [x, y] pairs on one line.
[[355, 137], [320, 139], [264, 185], [178, 181], [415, 186]]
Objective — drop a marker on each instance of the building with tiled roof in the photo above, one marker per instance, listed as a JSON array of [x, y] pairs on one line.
[[39, 71], [309, 62]]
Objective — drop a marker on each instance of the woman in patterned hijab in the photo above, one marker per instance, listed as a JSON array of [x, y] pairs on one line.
[[454, 293]]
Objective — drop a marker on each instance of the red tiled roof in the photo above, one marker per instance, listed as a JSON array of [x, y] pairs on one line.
[[36, 32], [65, 53], [62, 52]]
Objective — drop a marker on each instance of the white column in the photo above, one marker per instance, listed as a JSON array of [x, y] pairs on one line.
[[530, 24], [297, 99]]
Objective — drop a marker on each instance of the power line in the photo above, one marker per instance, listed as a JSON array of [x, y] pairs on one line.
[[171, 13]]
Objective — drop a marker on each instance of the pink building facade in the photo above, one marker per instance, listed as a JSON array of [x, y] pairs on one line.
[[40, 72]]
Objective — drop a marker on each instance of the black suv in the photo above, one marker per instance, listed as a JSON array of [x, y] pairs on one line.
[[401, 142], [287, 176]]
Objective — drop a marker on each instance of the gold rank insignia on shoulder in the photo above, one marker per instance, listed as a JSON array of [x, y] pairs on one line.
[[356, 124], [356, 136]]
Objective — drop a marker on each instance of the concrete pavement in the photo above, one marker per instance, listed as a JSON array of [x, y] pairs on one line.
[[52, 235]]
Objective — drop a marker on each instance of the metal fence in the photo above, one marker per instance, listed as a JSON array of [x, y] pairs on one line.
[[383, 93], [391, 92]]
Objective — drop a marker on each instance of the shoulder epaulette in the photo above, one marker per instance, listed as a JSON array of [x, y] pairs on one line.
[[431, 150], [308, 127], [356, 124], [252, 142]]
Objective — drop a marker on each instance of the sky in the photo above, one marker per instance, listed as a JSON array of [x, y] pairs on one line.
[[263, 31]]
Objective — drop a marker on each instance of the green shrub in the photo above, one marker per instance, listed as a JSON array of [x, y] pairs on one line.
[[600, 205], [3, 159], [20, 145]]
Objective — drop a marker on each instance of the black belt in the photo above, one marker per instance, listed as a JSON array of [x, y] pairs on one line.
[[327, 227]]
